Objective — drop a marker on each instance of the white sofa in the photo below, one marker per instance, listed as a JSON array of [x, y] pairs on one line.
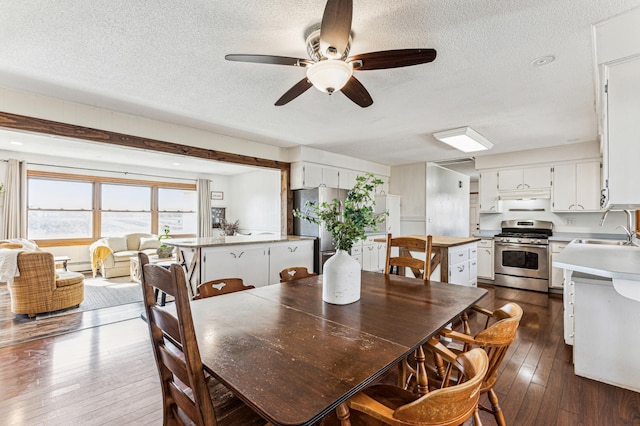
[[111, 256]]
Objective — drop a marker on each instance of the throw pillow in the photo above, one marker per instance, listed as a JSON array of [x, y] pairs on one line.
[[149, 243], [117, 244]]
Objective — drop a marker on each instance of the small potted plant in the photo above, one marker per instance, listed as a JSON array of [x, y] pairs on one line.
[[347, 222], [164, 250]]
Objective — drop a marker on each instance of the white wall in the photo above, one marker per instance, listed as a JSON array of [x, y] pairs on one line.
[[255, 201], [3, 180]]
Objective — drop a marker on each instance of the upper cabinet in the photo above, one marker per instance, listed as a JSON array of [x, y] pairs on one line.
[[576, 187], [309, 175], [488, 192], [524, 179], [621, 139]]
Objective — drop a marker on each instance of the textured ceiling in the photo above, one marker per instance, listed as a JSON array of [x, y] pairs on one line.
[[165, 60]]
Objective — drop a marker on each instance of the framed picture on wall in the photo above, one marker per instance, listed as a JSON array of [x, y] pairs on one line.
[[217, 195], [217, 214]]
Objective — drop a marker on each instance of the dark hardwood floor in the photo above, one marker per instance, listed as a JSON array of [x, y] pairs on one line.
[[106, 375]]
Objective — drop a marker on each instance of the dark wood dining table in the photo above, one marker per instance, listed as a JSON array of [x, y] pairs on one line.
[[293, 358]]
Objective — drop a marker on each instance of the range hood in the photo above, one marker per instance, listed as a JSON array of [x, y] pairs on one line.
[[532, 194]]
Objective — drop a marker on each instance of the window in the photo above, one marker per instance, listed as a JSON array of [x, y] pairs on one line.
[[81, 209], [177, 209], [125, 209], [59, 209]]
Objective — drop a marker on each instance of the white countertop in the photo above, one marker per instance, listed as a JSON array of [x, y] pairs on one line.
[[620, 263], [233, 240]]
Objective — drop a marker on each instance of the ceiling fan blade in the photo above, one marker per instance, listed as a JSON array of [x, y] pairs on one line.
[[355, 91], [392, 59], [335, 28], [269, 59], [298, 89]]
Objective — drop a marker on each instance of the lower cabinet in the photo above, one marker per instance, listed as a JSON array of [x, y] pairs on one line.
[[249, 262], [371, 255], [463, 265], [256, 264], [556, 277], [286, 255], [485, 259]]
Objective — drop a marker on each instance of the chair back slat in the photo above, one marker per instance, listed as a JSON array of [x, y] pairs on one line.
[[175, 347], [295, 273], [221, 286], [420, 267]]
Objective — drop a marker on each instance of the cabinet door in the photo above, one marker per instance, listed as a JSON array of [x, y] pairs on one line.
[[382, 256], [556, 278], [485, 262], [312, 175], [253, 266], [564, 187], [370, 257], [384, 188], [347, 179], [488, 188], [623, 128], [330, 177], [356, 252], [536, 177], [219, 264], [510, 179], [588, 186], [289, 254], [459, 273]]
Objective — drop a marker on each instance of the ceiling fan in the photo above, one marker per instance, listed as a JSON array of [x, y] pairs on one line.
[[330, 69]]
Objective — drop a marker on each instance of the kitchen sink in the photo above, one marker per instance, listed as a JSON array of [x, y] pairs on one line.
[[605, 242]]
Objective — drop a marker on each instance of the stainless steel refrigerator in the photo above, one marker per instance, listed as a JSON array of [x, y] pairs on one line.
[[324, 243]]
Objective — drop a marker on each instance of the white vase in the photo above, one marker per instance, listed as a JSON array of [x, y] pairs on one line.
[[341, 279]]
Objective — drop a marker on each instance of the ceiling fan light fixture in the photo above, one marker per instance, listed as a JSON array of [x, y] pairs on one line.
[[464, 139], [329, 75]]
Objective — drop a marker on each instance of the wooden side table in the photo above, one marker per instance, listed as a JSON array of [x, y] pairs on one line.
[[62, 260]]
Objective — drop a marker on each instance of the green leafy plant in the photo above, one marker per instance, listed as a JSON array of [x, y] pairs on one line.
[[347, 221], [164, 236]]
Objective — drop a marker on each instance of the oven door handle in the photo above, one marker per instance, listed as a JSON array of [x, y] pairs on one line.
[[515, 245]]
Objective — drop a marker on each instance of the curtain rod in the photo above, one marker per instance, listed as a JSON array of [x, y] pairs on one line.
[[107, 171]]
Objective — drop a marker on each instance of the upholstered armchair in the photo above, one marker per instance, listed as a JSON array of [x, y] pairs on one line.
[[41, 288]]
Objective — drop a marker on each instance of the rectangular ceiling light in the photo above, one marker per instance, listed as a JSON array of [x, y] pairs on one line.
[[465, 139]]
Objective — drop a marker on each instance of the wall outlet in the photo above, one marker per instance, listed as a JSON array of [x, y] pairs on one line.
[[569, 221]]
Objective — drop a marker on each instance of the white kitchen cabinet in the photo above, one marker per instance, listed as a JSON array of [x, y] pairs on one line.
[[525, 178], [384, 188], [556, 278], [373, 254], [249, 262], [576, 187], [621, 141], [356, 252], [310, 175], [606, 342], [288, 254], [488, 192], [463, 266], [347, 178], [485, 258], [390, 203]]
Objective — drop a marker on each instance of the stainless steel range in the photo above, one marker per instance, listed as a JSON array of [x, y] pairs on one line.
[[522, 258]]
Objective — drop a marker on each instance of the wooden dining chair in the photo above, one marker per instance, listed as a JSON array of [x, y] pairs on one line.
[[421, 267], [221, 286], [495, 338], [189, 395], [450, 405], [295, 273]]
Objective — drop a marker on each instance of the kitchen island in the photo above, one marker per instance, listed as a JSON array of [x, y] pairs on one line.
[[257, 259], [602, 310], [455, 256]]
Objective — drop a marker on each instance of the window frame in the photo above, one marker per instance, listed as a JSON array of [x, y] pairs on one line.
[[96, 210]]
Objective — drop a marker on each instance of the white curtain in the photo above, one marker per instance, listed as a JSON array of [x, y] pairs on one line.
[[205, 228], [14, 216]]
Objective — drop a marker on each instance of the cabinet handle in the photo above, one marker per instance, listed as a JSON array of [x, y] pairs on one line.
[[581, 206], [234, 255], [240, 255], [460, 254], [492, 208], [571, 205], [292, 249], [488, 251], [461, 268], [527, 185], [370, 248]]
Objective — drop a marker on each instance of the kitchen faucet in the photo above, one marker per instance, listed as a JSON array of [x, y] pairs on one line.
[[627, 229]]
